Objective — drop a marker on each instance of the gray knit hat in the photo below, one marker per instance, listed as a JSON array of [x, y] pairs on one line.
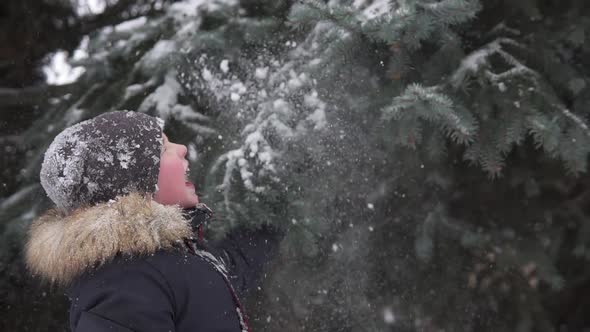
[[96, 160]]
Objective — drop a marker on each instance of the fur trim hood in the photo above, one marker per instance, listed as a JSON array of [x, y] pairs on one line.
[[62, 247]]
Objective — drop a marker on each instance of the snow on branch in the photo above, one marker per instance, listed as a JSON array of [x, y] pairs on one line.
[[502, 27], [479, 60], [287, 108], [577, 120], [452, 11], [164, 100]]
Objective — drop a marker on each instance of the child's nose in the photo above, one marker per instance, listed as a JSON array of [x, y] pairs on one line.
[[182, 150]]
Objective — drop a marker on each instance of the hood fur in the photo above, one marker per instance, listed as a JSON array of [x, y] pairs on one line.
[[61, 247]]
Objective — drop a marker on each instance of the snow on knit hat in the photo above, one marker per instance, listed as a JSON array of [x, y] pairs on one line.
[[96, 160]]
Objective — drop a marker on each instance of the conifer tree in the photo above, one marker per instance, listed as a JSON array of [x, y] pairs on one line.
[[427, 159]]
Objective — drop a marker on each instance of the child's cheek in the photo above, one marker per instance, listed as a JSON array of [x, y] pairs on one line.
[[170, 169], [171, 180]]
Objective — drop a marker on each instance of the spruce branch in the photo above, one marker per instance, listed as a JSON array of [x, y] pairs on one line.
[[452, 11], [313, 11], [429, 104], [35, 95], [526, 116], [577, 120], [479, 61], [502, 28], [545, 132]]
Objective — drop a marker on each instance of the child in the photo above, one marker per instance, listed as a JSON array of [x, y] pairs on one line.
[[124, 237]]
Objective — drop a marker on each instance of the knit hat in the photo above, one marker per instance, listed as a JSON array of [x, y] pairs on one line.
[[96, 160]]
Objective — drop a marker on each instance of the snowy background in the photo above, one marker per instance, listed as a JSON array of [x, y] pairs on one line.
[[427, 159]]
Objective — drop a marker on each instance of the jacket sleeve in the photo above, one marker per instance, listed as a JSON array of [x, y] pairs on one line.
[[123, 297], [246, 253]]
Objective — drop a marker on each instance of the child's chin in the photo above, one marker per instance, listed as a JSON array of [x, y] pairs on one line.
[[192, 199]]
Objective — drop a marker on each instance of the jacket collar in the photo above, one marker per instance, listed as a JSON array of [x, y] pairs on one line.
[[199, 216], [61, 247]]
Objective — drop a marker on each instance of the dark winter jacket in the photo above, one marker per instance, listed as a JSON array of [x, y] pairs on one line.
[[128, 268]]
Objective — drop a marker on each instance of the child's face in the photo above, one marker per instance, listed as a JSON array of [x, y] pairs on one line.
[[173, 185]]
